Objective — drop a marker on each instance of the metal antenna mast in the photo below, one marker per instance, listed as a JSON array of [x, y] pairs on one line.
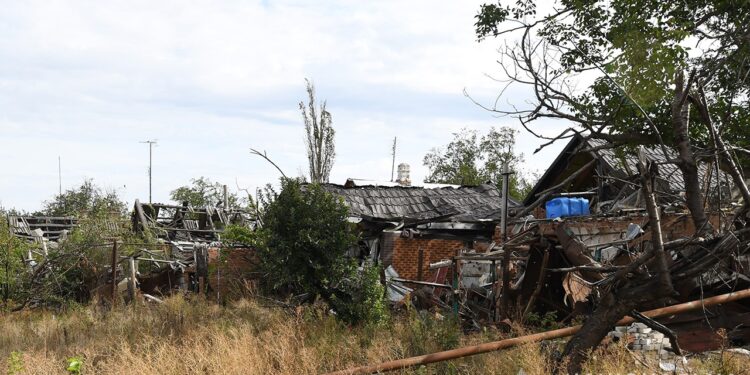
[[59, 175], [393, 153], [150, 143]]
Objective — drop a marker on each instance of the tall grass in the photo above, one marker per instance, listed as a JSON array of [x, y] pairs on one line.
[[186, 336]]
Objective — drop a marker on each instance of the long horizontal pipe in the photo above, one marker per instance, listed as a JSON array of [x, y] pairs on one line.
[[417, 282], [558, 333]]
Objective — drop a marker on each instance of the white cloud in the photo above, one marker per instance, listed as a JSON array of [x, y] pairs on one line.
[[209, 80]]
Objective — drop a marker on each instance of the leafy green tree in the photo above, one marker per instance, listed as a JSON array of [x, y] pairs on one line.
[[303, 246], [470, 160], [203, 192], [669, 73], [83, 201]]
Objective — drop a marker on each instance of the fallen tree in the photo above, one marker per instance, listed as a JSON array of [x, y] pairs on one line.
[[646, 88], [558, 333]]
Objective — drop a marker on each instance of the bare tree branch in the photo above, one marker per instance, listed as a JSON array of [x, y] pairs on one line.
[[265, 156]]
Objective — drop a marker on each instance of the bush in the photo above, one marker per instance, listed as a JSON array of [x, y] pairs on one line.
[[74, 266], [367, 303], [303, 248], [86, 200], [12, 250]]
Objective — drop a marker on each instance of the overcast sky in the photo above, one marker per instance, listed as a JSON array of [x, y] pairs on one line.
[[87, 81]]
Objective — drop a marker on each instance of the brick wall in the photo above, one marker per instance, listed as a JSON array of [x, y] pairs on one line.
[[404, 253], [231, 274]]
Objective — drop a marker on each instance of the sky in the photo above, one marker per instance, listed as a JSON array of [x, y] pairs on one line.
[[87, 81]]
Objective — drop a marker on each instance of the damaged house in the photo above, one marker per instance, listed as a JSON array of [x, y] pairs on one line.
[[447, 242], [191, 243], [551, 267], [608, 177], [410, 229]]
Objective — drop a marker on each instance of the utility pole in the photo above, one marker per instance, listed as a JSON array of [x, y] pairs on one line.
[[113, 291], [504, 238], [150, 143], [226, 198], [59, 175], [393, 163]]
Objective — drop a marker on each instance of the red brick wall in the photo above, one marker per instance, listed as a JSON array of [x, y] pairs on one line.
[[233, 273], [406, 255]]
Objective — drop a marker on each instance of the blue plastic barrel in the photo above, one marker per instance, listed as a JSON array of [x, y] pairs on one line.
[[564, 207], [576, 207], [558, 207], [585, 208]]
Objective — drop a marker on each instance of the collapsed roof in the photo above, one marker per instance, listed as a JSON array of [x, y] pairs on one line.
[[608, 179], [415, 204], [184, 223], [35, 227]]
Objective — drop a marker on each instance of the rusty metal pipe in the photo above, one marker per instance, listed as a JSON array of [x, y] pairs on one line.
[[558, 333]]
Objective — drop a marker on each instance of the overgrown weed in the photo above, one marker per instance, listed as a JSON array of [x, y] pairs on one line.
[[188, 334]]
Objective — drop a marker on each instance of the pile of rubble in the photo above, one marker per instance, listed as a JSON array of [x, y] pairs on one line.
[[644, 339]]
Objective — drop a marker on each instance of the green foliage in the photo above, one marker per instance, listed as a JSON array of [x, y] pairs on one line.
[[470, 160], [240, 235], [303, 248], [642, 45], [203, 192], [263, 198], [15, 363], [365, 302], [305, 238], [545, 322], [12, 267], [428, 332], [75, 365], [85, 200], [75, 265]]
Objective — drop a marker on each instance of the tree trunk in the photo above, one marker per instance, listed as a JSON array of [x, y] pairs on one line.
[[702, 105], [686, 161], [623, 296], [593, 331]]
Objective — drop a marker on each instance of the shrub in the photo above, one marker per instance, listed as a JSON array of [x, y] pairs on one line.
[[15, 363], [11, 263], [303, 248], [367, 303]]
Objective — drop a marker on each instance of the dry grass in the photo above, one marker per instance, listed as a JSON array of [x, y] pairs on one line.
[[191, 336]]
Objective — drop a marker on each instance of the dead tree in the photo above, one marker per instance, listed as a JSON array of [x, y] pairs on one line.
[[319, 137]]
